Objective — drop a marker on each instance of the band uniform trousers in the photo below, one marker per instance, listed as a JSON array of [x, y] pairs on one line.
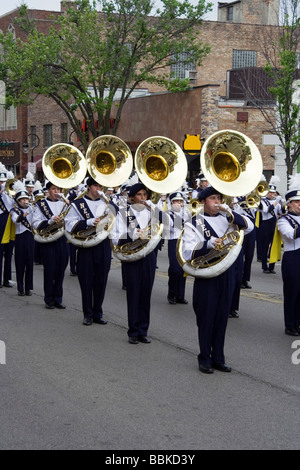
[[237, 267], [139, 278], [73, 257], [267, 229], [177, 280], [93, 265], [6, 253], [258, 232], [55, 260], [212, 299], [248, 252], [290, 269], [24, 259]]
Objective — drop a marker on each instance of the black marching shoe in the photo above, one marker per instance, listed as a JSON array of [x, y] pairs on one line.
[[245, 285], [206, 369], [87, 322], [50, 306], [181, 301], [133, 340], [144, 339], [21, 293], [222, 367], [28, 293], [7, 284], [292, 331], [233, 314], [172, 300], [100, 321], [59, 305]]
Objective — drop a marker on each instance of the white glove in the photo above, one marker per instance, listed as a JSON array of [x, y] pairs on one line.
[[90, 222], [211, 243], [150, 203], [51, 221]]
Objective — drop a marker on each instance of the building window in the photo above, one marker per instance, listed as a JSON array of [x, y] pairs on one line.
[[8, 118], [182, 66], [230, 13], [241, 59], [47, 135], [64, 132], [11, 118]]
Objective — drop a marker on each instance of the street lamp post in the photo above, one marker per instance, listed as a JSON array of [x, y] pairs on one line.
[[35, 144], [70, 142]]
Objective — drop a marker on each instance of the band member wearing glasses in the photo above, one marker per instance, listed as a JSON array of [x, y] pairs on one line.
[[139, 274], [48, 213], [93, 262], [212, 297]]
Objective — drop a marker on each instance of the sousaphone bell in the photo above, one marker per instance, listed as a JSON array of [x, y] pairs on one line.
[[109, 160], [64, 166], [161, 164], [231, 162]]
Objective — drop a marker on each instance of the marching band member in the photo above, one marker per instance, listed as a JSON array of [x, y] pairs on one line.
[[201, 183], [138, 274], [248, 243], [178, 214], [47, 214], [270, 209], [21, 215], [6, 230], [289, 229], [93, 263], [29, 185], [212, 297], [38, 194]]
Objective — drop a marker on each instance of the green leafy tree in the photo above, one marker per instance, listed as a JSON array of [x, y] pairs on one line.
[[100, 50], [283, 72]]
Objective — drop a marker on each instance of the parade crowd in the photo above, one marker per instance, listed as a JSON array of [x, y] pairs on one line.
[[85, 226]]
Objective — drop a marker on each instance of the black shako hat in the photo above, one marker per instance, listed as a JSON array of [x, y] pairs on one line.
[[209, 191], [135, 188]]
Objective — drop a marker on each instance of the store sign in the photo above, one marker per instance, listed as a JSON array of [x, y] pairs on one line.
[[9, 153]]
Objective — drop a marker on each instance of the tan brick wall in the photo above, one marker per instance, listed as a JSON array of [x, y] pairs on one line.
[[254, 129]]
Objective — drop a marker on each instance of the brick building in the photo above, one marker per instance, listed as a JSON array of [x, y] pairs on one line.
[[207, 107]]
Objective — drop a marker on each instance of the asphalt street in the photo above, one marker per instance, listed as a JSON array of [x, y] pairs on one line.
[[67, 386]]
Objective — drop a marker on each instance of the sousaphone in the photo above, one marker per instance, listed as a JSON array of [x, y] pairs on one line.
[[232, 164], [161, 166], [109, 162], [65, 167]]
